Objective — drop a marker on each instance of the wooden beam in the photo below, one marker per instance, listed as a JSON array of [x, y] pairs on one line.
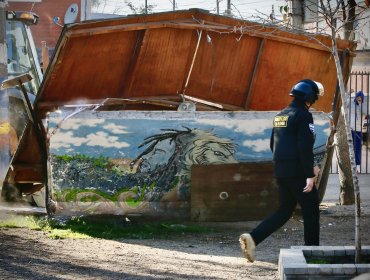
[[253, 30], [253, 78], [144, 26], [135, 60], [26, 173], [164, 101]]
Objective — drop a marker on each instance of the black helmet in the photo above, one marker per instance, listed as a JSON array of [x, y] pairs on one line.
[[307, 90]]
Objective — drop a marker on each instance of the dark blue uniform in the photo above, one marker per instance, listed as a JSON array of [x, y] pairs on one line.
[[292, 142]]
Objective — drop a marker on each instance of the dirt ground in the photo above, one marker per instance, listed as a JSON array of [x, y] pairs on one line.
[[27, 254]]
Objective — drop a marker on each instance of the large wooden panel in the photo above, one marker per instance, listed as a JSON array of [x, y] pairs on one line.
[[224, 68], [281, 66], [237, 63], [162, 58], [233, 192], [91, 67]]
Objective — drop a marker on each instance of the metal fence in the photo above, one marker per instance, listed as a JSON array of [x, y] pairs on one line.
[[359, 81]]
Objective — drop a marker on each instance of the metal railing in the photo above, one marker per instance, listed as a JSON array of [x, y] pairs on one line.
[[359, 81]]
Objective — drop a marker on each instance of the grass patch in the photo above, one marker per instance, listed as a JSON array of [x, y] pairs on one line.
[[20, 222], [103, 227]]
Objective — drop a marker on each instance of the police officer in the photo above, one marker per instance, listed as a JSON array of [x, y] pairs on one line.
[[292, 141]]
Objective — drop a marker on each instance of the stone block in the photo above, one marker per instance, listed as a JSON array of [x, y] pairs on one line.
[[338, 269], [365, 250], [326, 269], [313, 269], [349, 269], [350, 250], [293, 264], [339, 251], [295, 269], [362, 268]]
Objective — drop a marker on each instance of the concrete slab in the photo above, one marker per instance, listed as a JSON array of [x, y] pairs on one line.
[[293, 263], [289, 269]]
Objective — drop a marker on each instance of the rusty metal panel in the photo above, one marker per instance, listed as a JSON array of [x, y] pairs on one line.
[[233, 192]]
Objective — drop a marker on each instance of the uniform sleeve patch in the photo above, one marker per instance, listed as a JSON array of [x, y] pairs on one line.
[[281, 121], [312, 128]]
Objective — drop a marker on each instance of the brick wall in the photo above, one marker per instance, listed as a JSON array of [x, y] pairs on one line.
[[46, 30]]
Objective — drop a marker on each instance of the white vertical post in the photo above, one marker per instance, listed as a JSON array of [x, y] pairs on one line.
[[3, 59]]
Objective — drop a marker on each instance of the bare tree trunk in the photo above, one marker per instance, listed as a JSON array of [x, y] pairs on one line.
[[347, 194], [350, 148]]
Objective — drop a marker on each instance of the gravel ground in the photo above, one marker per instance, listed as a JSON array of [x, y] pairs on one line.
[[27, 254]]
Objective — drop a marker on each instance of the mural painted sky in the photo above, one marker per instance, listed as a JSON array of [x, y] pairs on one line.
[[119, 134]]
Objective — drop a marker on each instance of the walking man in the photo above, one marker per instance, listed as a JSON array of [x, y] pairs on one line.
[[292, 141]]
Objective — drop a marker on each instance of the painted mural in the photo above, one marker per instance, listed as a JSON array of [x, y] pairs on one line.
[[134, 162]]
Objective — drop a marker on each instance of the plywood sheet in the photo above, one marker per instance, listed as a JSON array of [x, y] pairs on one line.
[[233, 192]]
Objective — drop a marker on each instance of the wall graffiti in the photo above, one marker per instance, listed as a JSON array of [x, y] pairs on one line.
[[141, 161]]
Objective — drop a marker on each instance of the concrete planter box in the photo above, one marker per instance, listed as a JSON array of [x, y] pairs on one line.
[[293, 264]]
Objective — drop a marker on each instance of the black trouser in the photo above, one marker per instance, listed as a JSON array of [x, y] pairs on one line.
[[291, 192]]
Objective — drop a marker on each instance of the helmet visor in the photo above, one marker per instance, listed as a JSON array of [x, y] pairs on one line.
[[321, 88]]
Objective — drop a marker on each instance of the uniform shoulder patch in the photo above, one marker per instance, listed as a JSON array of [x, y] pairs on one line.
[[281, 121]]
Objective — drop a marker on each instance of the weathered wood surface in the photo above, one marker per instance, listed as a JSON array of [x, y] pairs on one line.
[[239, 63], [233, 192]]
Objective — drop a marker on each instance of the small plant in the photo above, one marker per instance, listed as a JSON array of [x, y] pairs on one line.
[[20, 222]]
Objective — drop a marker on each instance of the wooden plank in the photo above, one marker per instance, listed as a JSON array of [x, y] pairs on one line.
[[281, 66], [164, 101], [255, 31], [233, 192], [253, 79], [90, 68], [160, 68], [135, 60], [24, 173], [223, 69], [147, 26]]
